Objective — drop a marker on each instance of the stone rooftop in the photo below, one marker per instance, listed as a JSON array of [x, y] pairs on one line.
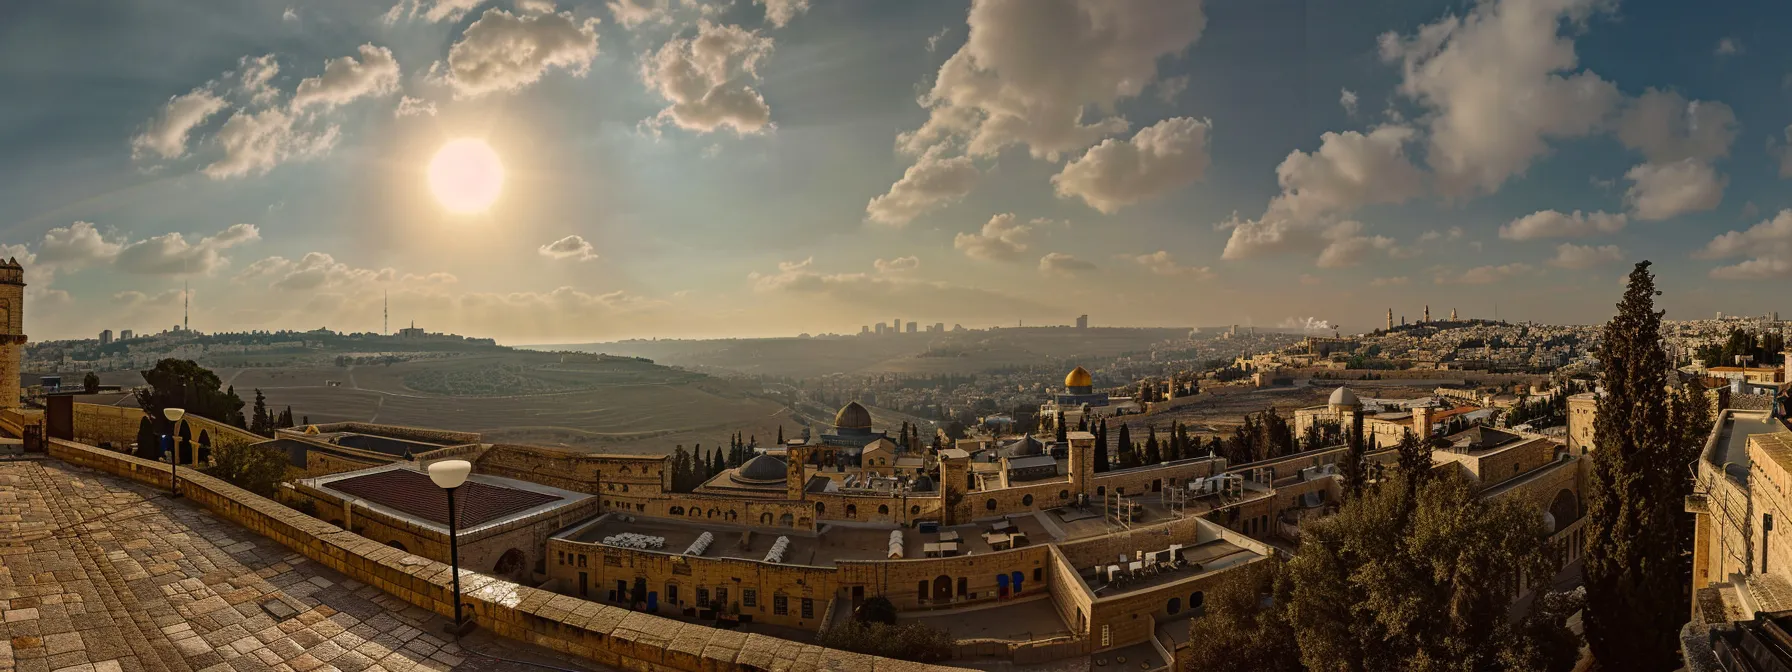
[[99, 574]]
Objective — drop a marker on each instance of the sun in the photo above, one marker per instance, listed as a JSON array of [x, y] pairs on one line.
[[466, 175]]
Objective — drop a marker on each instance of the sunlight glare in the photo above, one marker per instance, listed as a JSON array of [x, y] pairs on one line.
[[466, 175]]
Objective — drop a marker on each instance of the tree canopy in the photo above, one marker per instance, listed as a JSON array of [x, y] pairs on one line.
[[183, 383]]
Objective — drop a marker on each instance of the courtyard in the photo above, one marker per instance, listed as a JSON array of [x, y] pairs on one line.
[[98, 574]]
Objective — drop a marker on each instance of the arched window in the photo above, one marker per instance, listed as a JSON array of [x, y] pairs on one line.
[[852, 510], [394, 543], [914, 510], [675, 511], [1196, 599], [1174, 606], [765, 518], [1063, 494], [1101, 491], [820, 508], [1026, 500], [883, 509], [990, 505], [787, 520]]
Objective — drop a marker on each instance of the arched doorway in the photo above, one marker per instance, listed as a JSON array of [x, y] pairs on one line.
[[1014, 579], [508, 563], [1565, 508], [942, 589]]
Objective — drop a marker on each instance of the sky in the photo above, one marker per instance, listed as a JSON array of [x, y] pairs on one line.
[[702, 168]]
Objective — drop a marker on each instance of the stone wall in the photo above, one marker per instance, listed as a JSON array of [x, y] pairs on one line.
[[1142, 479], [637, 475], [604, 634], [117, 425], [673, 581]]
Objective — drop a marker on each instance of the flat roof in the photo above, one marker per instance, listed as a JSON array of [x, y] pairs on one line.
[[1202, 558], [403, 492], [1732, 441], [825, 548]]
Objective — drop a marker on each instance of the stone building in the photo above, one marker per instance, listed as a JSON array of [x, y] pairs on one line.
[[12, 331]]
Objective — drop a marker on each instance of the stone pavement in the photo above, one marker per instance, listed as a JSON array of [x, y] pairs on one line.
[[98, 574]]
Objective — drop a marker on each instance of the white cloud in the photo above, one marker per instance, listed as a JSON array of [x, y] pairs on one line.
[[171, 254], [1582, 257], [932, 183], [1271, 234], [1728, 46], [1784, 153], [1349, 247], [1484, 275], [933, 41], [505, 52], [1059, 263], [76, 245], [408, 107], [256, 142], [535, 6], [1395, 281], [1348, 171], [1002, 238], [166, 135], [1768, 244], [1554, 224], [1162, 263], [1666, 190], [320, 271], [433, 11], [631, 13], [1498, 84], [780, 12], [1666, 127], [1171, 88], [289, 15], [346, 79], [706, 79], [570, 247], [897, 265], [1347, 99], [876, 294], [257, 77], [1158, 159], [1032, 68]]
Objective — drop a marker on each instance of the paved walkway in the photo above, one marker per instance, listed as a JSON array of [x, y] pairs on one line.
[[98, 574]]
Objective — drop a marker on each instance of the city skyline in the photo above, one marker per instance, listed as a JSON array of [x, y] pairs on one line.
[[701, 169]]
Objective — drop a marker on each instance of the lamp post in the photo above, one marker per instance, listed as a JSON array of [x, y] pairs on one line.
[[449, 475], [174, 415]]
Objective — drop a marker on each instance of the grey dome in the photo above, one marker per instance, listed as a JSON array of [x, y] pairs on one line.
[[762, 470], [1344, 397]]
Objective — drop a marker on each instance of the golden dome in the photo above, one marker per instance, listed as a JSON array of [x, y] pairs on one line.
[[1079, 377], [852, 416]]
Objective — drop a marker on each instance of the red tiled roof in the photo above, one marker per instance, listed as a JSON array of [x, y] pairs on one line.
[[414, 494]]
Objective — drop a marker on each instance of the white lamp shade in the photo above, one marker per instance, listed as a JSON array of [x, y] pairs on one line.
[[174, 414], [450, 474]]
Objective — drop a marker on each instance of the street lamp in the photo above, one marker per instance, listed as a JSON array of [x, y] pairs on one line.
[[174, 415], [449, 475]]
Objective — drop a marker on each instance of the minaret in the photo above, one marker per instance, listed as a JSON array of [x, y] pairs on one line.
[[1452, 314], [1390, 319], [1427, 312], [12, 330]]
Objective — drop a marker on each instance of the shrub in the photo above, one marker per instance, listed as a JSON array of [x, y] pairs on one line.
[[258, 468], [909, 641]]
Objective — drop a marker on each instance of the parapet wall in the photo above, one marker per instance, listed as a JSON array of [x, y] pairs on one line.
[[117, 425], [604, 634]]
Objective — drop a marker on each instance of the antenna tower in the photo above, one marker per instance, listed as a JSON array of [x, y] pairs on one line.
[[186, 312], [386, 315]]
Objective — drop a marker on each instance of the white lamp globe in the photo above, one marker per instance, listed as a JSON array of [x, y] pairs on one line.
[[450, 474], [174, 414]]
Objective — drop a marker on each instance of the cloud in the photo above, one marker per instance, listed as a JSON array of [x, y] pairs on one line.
[[631, 13], [1347, 100], [257, 77], [1031, 69], [933, 41], [410, 107], [1554, 224], [346, 79], [1728, 46], [433, 11], [1162, 263], [1667, 190], [255, 142], [1171, 88], [1348, 247], [289, 15], [1484, 275], [780, 12], [166, 135], [897, 265], [535, 6], [1395, 281], [1784, 153], [1059, 263], [505, 52], [1002, 239], [1582, 257], [74, 246], [570, 247], [1769, 244], [932, 183], [706, 79], [319, 271], [868, 294], [1348, 171], [131, 299], [1497, 85], [1666, 127], [171, 254], [1158, 159]]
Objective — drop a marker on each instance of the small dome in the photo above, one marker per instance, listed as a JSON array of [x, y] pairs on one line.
[[852, 416], [922, 484], [760, 470], [1344, 397], [1079, 377]]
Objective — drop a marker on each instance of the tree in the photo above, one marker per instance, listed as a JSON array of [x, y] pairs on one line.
[[909, 641], [259, 422], [149, 443], [285, 420], [258, 468], [780, 435], [1063, 431], [1635, 557], [1242, 631], [182, 383], [876, 609], [1415, 460], [1425, 582], [1355, 469], [91, 382], [1153, 452], [1101, 447], [1128, 458]]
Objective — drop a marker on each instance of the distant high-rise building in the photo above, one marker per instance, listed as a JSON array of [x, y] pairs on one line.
[[864, 329], [911, 327], [126, 335], [1082, 321], [880, 328], [939, 327], [106, 337]]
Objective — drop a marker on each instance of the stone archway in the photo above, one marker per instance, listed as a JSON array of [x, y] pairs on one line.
[[1565, 508], [510, 563], [942, 588]]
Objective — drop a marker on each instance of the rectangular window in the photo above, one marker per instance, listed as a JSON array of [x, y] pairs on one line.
[[561, 555], [582, 560], [1038, 573], [808, 608], [749, 597], [672, 593], [721, 598], [702, 598], [780, 605]]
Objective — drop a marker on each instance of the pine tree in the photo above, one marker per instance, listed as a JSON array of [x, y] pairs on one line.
[[1101, 447], [1635, 558], [285, 421], [1354, 471], [1128, 458], [259, 422], [681, 466], [1153, 450]]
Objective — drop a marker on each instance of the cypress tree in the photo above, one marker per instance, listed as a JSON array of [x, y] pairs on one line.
[[149, 445], [1153, 450], [1354, 471], [1127, 457], [1635, 557], [780, 435], [1063, 431], [1101, 447]]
